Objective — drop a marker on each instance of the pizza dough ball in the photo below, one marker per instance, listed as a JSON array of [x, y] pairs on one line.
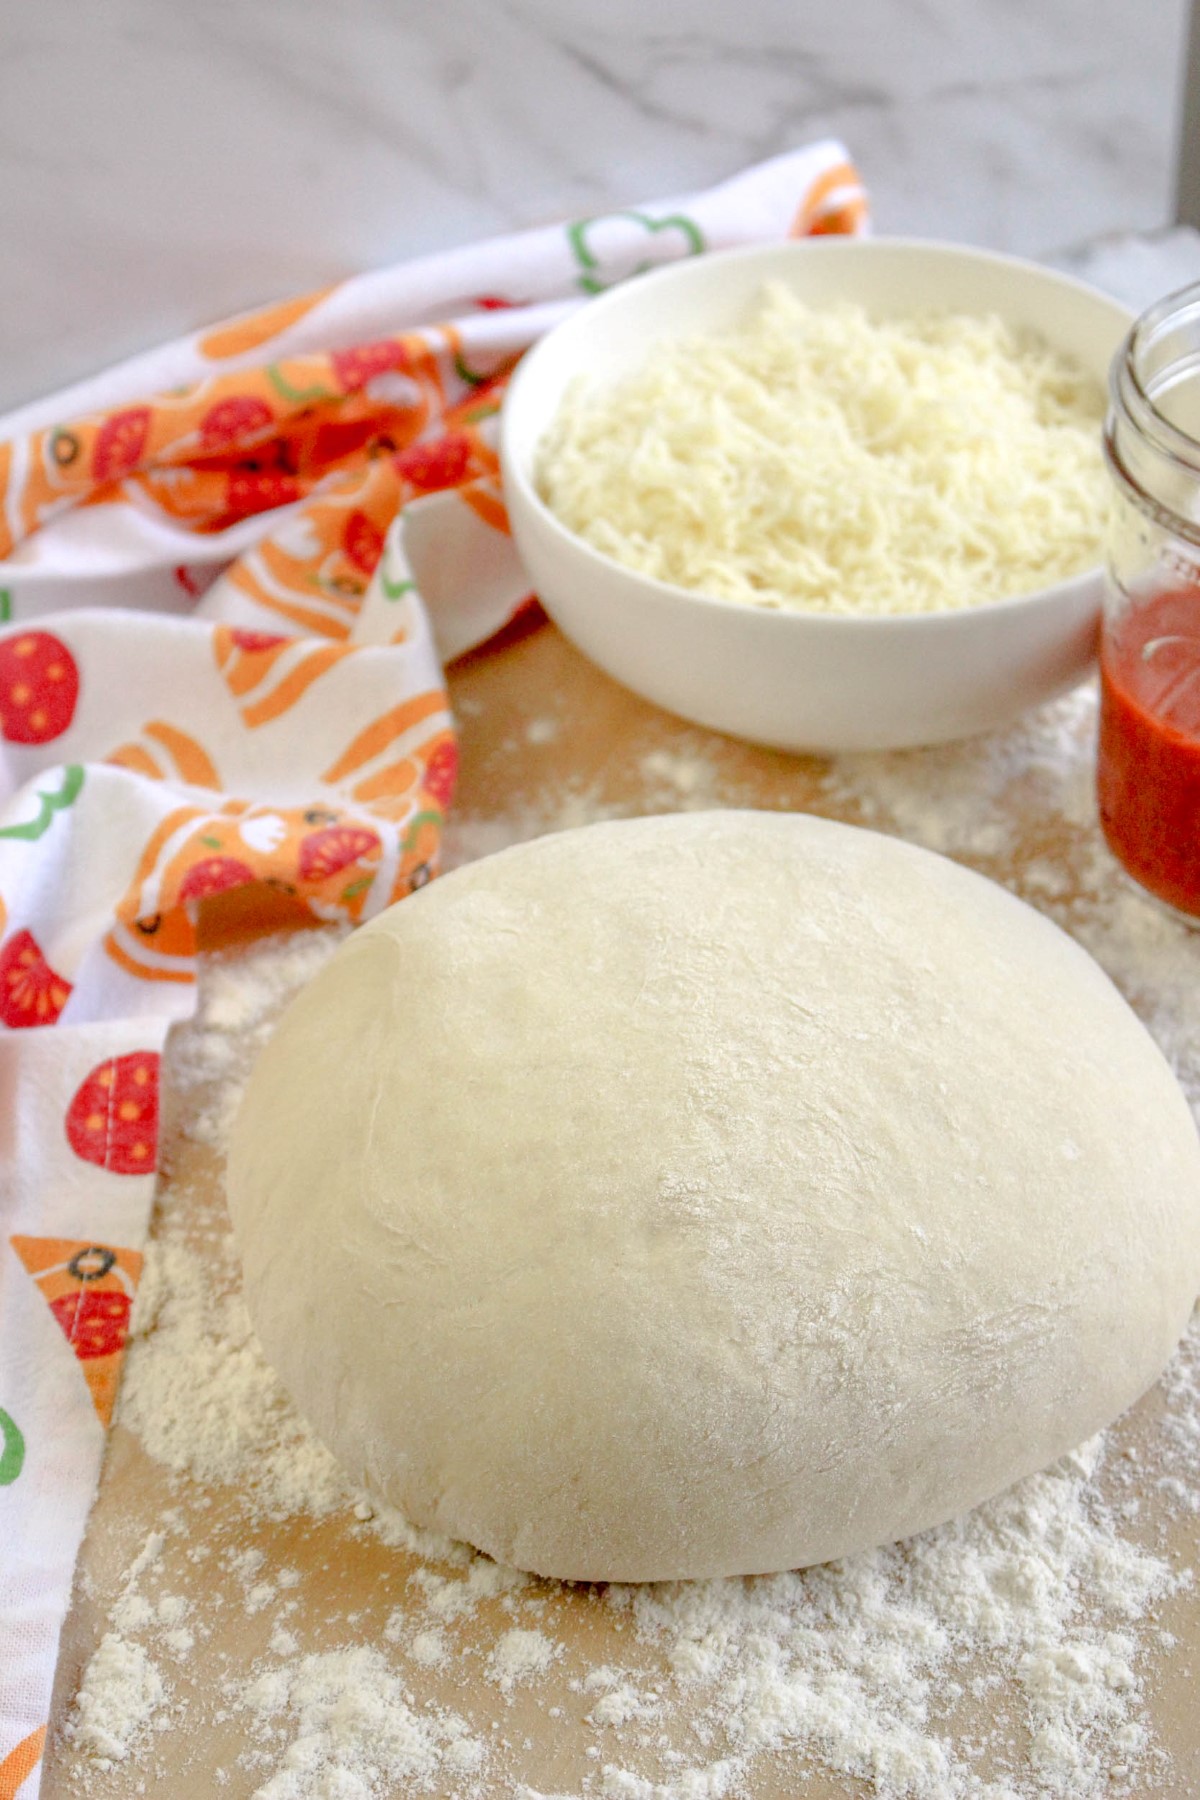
[[711, 1194]]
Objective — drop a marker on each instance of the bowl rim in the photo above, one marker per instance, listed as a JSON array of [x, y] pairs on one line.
[[1071, 587]]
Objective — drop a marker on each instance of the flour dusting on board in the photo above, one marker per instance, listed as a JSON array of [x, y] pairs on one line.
[[1003, 1657]]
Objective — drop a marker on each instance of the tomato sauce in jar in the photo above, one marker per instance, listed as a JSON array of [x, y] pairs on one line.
[[1149, 759], [1148, 772]]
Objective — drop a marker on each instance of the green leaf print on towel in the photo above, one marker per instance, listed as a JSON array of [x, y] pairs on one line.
[[56, 800], [581, 236], [12, 1455]]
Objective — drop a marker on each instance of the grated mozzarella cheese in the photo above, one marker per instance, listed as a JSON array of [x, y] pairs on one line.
[[822, 461]]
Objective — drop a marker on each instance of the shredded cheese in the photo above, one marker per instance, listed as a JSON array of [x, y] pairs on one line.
[[822, 461]]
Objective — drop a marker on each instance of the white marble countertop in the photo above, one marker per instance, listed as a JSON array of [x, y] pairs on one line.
[[165, 163]]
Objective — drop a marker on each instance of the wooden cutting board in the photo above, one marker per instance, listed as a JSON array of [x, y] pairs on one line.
[[548, 741]]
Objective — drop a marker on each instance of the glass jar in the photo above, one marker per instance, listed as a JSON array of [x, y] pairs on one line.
[[1149, 754]]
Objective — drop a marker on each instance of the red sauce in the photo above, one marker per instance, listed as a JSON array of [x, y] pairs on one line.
[[1149, 768]]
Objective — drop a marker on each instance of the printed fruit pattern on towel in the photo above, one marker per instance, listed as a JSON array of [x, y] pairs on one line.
[[20, 1763], [329, 856], [89, 1289], [313, 569], [12, 1449], [360, 431], [39, 687], [164, 753], [834, 204], [31, 994], [238, 419], [398, 773], [483, 498], [603, 264], [158, 946], [113, 1119], [255, 329], [50, 800], [267, 673], [120, 443], [232, 445], [400, 759], [441, 773]]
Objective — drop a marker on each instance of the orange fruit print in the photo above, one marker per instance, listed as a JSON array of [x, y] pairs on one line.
[[113, 1119], [39, 687], [31, 993]]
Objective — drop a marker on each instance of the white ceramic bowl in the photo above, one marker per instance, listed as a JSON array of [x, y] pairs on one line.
[[804, 681]]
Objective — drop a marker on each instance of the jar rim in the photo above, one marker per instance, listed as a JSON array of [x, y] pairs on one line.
[[1127, 385], [1164, 516]]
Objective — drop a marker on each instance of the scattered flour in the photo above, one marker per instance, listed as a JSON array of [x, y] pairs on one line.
[[859, 1661], [520, 1655], [684, 778], [121, 1692], [203, 1400], [348, 1710], [449, 1597], [429, 1649], [541, 731], [1013, 1641]]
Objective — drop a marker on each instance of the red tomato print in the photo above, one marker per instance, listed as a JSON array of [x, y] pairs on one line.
[[113, 1119], [436, 464], [329, 851], [39, 687], [231, 420], [333, 442], [441, 772], [213, 876], [30, 992], [258, 490], [354, 368], [363, 542], [252, 641], [95, 1321], [121, 443]]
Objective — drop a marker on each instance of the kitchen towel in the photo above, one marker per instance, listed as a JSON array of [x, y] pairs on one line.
[[230, 572]]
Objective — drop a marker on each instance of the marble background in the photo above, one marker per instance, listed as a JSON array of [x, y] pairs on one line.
[[165, 162]]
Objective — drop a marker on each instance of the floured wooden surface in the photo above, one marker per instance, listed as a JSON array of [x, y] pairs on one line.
[[1046, 1646]]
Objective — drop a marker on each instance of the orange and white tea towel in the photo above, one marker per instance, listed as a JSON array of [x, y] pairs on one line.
[[230, 571]]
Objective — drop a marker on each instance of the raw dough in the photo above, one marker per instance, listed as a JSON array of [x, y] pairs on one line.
[[711, 1194]]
